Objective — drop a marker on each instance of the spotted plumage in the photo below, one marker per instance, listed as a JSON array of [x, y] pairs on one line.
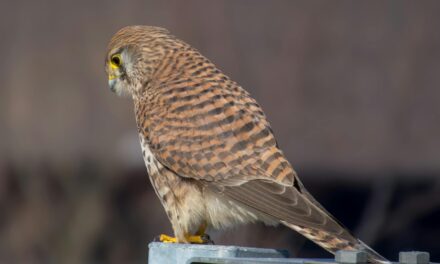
[[210, 153]]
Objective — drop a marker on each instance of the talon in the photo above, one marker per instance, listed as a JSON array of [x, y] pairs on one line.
[[167, 239], [203, 239], [199, 239], [195, 239], [207, 239]]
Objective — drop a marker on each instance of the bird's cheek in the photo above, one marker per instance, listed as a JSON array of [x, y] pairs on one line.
[[118, 86]]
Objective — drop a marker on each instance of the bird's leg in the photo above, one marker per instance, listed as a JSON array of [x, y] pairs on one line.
[[202, 229], [200, 237]]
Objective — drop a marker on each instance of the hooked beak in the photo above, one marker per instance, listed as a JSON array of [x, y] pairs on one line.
[[112, 82]]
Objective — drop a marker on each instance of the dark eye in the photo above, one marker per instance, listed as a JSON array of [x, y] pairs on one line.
[[116, 61]]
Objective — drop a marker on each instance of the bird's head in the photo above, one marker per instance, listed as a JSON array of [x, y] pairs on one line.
[[132, 57]]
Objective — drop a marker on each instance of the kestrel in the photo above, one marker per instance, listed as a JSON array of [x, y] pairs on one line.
[[209, 150]]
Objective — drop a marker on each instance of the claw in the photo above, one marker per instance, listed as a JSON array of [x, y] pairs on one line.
[[197, 239], [167, 239], [207, 239]]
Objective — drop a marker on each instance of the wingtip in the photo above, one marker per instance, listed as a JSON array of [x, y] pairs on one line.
[[373, 256]]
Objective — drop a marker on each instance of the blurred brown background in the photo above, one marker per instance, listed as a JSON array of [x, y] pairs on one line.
[[351, 89]]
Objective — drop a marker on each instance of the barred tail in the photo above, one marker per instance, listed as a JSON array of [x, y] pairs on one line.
[[373, 256], [333, 243]]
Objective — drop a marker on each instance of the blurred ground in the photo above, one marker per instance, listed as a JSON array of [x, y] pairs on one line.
[[351, 90]]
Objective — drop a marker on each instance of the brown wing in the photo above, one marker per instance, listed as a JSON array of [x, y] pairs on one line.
[[212, 132], [287, 204], [218, 134]]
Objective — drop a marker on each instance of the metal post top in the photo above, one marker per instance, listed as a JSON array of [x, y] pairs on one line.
[[223, 248], [348, 257], [414, 257], [171, 253]]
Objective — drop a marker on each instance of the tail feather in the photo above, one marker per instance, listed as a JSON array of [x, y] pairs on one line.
[[373, 256], [333, 243]]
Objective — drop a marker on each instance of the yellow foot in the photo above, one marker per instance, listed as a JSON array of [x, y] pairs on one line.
[[191, 239], [167, 239]]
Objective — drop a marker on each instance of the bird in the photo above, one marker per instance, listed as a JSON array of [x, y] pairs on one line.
[[209, 150]]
